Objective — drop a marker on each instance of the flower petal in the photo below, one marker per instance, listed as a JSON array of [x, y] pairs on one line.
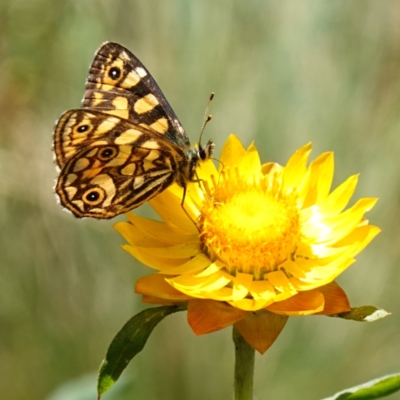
[[330, 230], [168, 205], [241, 286], [183, 250], [152, 261], [320, 179], [155, 285], [205, 316], [136, 237], [336, 300], [250, 163], [338, 199], [161, 230], [303, 303], [232, 153], [195, 285], [262, 290], [281, 283], [271, 168], [296, 168], [360, 237], [250, 304], [205, 170], [195, 264], [260, 329]]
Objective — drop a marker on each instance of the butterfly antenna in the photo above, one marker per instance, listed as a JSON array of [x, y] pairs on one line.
[[207, 118]]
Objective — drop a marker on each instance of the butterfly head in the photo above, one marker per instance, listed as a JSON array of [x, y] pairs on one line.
[[207, 151], [194, 156]]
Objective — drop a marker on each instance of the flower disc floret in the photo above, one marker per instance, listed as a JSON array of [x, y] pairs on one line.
[[248, 226]]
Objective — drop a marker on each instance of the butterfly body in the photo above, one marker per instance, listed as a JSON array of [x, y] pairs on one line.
[[125, 145]]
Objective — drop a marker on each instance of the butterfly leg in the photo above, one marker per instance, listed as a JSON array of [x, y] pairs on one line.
[[184, 209]]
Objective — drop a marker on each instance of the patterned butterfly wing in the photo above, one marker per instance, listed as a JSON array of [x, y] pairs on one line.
[[80, 129], [120, 166], [119, 84]]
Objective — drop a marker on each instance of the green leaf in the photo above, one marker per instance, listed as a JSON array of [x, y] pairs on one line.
[[364, 314], [374, 389], [128, 342]]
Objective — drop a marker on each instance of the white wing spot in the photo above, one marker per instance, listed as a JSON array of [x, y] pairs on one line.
[[141, 72]]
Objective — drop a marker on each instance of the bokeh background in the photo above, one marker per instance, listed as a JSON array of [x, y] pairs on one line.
[[284, 73]]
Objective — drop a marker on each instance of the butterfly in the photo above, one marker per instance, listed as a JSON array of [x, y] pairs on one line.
[[125, 145]]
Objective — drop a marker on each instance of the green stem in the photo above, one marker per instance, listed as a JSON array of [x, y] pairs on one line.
[[244, 367]]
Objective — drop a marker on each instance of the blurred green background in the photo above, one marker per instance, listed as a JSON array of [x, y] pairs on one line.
[[285, 73]]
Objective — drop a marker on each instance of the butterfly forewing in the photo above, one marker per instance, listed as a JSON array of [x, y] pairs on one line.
[[119, 84]]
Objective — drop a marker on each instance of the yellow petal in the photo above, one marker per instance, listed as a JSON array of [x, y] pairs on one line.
[[223, 294], [152, 261], [360, 237], [241, 285], [250, 163], [168, 206], [155, 285], [293, 268], [250, 304], [206, 169], [330, 271], [136, 237], [161, 230], [232, 153], [338, 199], [271, 168], [262, 290], [195, 264], [321, 175], [206, 316], [280, 282], [188, 283], [183, 250], [296, 168], [212, 268], [260, 329], [344, 223], [332, 229]]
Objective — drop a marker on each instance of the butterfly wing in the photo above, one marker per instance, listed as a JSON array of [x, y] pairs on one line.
[[119, 84], [77, 130], [120, 167]]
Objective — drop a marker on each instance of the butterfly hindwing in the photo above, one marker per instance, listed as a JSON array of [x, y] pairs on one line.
[[119, 84], [79, 129], [118, 169]]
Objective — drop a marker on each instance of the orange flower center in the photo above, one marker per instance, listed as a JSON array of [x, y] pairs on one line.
[[248, 225]]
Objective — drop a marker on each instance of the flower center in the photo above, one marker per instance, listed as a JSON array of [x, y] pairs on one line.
[[249, 226]]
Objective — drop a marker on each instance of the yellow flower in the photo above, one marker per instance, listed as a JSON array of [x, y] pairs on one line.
[[263, 242]]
